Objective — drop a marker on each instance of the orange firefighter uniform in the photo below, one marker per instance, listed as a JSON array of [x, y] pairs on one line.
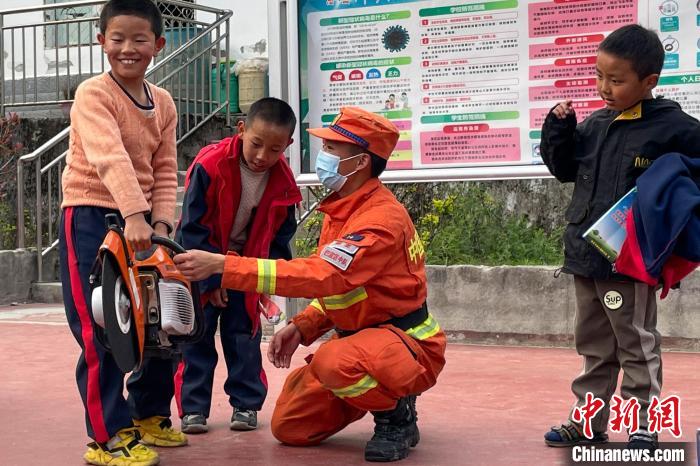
[[368, 280]]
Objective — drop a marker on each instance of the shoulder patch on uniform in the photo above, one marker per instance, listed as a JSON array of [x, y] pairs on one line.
[[343, 246], [354, 237], [336, 257]]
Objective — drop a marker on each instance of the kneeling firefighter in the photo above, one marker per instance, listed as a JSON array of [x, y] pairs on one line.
[[368, 278]]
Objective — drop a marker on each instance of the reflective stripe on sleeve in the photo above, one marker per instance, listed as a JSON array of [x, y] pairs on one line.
[[317, 305], [344, 301], [267, 276]]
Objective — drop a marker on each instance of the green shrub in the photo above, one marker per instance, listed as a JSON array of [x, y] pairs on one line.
[[469, 226], [461, 223], [9, 153], [306, 239]]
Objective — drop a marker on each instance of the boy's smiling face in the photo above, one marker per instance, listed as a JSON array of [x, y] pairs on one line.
[[618, 83], [130, 45], [263, 142]]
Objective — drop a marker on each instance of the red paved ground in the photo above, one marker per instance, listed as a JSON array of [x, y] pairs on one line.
[[490, 407]]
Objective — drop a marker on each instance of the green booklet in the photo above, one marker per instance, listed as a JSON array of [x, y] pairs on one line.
[[608, 233]]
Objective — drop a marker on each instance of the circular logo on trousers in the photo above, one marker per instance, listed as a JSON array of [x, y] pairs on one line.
[[613, 300]]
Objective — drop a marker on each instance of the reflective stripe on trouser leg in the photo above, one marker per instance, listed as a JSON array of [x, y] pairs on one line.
[[370, 369], [361, 387], [305, 414]]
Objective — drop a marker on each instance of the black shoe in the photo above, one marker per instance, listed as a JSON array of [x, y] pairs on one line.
[[643, 440], [194, 424], [244, 419], [412, 404], [395, 432]]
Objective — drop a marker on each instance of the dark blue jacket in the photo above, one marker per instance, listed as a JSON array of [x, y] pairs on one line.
[[603, 156], [663, 231], [213, 192]]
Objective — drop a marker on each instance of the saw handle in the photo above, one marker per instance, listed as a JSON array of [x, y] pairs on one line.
[[112, 221], [168, 243]]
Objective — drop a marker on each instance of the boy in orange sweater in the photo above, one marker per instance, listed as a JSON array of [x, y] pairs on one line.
[[121, 160]]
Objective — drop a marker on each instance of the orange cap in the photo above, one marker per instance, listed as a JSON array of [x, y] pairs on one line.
[[362, 128]]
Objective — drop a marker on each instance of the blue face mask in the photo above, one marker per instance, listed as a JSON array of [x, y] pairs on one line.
[[327, 170]]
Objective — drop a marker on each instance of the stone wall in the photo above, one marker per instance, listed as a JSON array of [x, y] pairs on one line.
[[18, 271], [528, 305]]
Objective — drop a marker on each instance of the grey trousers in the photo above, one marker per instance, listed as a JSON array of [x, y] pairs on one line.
[[616, 328]]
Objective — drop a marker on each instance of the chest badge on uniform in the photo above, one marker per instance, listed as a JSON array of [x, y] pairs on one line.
[[354, 237], [613, 300]]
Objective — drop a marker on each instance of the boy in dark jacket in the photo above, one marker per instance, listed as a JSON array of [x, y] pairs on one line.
[[240, 196], [616, 316]]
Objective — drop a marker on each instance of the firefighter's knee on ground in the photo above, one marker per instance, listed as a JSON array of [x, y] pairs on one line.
[[289, 432]]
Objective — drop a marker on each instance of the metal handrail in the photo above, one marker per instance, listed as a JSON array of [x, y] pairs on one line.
[[53, 6], [50, 6], [54, 162], [53, 22], [66, 60], [58, 138], [45, 147], [192, 53]]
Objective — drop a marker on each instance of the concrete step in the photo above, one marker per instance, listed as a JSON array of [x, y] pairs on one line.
[[47, 292]]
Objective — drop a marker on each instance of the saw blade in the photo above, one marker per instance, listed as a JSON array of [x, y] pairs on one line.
[[120, 325]]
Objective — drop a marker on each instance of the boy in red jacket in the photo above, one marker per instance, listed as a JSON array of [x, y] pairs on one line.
[[240, 196]]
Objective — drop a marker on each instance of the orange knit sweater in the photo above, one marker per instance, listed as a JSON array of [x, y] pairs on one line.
[[120, 156]]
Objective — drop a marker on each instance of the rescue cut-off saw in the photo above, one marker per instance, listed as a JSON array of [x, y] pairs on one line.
[[142, 308]]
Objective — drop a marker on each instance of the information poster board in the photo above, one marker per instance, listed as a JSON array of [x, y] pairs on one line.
[[469, 82]]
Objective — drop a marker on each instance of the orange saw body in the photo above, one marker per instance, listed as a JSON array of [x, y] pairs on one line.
[[143, 306]]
